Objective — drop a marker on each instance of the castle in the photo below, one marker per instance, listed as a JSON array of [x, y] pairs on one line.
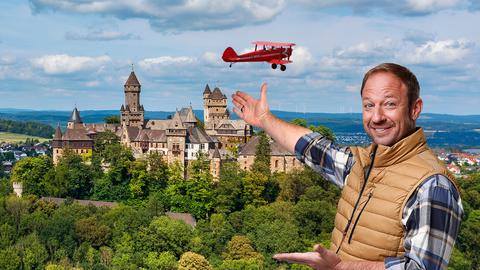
[[177, 139]]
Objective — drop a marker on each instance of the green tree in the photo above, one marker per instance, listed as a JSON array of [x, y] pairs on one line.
[[31, 173], [469, 238], [7, 236], [73, 178], [191, 261], [112, 119], [299, 122], [194, 195], [293, 185], [17, 208], [163, 261], [214, 234], [241, 247], [320, 129], [33, 252], [124, 257], [90, 231], [158, 172], [228, 191], [165, 234], [261, 162], [9, 259], [102, 140], [324, 131]]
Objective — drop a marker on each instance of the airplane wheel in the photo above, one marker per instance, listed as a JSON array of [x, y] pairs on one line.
[[274, 66], [283, 67]]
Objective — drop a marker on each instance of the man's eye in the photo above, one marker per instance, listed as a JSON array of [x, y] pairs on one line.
[[390, 104], [367, 106]]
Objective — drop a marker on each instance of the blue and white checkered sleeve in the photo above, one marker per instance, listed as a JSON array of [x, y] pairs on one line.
[[432, 218], [324, 156]]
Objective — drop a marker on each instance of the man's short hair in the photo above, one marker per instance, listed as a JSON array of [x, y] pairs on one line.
[[403, 73]]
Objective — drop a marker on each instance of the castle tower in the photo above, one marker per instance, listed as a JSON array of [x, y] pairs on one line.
[[176, 133], [215, 105], [215, 163], [206, 96], [57, 144], [75, 119], [132, 112]]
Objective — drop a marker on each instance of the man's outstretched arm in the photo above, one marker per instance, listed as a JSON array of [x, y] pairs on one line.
[[256, 112]]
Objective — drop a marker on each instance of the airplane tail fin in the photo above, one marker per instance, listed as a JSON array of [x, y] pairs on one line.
[[229, 54]]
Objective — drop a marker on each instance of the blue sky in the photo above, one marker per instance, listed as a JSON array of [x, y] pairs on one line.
[[58, 53]]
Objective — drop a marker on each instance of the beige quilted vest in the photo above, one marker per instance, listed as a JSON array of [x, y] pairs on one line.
[[373, 229]]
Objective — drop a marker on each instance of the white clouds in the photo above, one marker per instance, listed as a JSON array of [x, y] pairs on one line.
[[7, 60], [213, 59], [442, 52], [100, 35], [66, 64], [166, 62], [302, 61], [400, 7], [175, 16], [430, 6]]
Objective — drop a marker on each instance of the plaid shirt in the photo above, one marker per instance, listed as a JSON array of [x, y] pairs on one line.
[[431, 217]]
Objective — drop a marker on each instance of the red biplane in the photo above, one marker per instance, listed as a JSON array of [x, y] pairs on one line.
[[275, 53]]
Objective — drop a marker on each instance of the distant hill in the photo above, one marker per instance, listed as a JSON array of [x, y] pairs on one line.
[[31, 128], [442, 129]]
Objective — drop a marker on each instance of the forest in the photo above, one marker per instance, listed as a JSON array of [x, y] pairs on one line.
[[243, 218], [28, 128]]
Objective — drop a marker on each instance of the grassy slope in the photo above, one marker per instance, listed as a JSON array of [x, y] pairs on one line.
[[14, 137]]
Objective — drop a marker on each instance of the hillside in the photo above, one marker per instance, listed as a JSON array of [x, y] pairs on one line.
[[14, 137]]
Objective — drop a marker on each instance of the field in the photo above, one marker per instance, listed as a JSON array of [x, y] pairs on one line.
[[14, 137]]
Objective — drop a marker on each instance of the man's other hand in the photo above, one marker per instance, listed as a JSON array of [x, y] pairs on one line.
[[321, 258]]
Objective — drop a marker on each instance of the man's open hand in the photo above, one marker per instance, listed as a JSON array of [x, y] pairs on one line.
[[320, 258], [253, 111]]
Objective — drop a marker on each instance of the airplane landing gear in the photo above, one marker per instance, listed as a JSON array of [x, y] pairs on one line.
[[274, 66], [283, 67]]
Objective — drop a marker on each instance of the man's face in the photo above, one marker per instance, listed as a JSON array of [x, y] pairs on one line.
[[386, 116]]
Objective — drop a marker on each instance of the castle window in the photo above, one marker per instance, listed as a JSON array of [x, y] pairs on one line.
[[276, 163], [202, 146]]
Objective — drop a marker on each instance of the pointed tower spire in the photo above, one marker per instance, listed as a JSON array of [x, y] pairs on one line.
[[58, 133], [75, 117], [207, 90], [132, 80]]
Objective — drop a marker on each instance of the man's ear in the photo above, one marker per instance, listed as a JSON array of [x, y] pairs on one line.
[[416, 109]]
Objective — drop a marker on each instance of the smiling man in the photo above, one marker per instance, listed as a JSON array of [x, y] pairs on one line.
[[400, 208]]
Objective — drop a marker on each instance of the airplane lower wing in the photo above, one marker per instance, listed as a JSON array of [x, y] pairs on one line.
[[279, 62]]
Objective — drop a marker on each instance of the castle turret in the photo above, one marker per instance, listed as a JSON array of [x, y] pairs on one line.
[[75, 119], [215, 163], [133, 112], [57, 144], [214, 105]]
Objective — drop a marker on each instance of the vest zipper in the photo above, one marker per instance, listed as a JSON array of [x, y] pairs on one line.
[[358, 217], [367, 174]]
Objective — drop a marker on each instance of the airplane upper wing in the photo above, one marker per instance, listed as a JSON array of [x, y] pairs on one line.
[[276, 44], [279, 62]]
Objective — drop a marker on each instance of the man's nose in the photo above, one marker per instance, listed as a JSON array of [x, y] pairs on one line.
[[378, 115]]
